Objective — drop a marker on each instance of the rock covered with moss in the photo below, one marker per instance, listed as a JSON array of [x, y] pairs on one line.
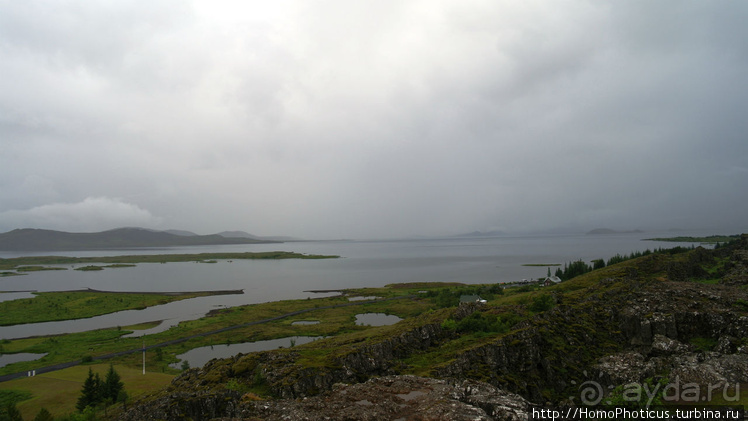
[[382, 398]]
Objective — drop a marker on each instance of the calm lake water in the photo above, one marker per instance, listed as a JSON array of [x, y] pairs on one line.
[[376, 319], [197, 357], [362, 264], [6, 359]]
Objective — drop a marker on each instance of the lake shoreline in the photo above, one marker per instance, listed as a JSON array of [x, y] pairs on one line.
[[169, 293]]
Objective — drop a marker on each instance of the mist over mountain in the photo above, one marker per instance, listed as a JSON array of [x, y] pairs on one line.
[[493, 233], [181, 232], [605, 231], [237, 234]]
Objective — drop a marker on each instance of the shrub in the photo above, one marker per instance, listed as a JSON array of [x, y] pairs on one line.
[[449, 324], [542, 303], [703, 344], [479, 322]]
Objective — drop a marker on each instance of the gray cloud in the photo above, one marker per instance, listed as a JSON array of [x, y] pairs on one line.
[[91, 214], [340, 119]]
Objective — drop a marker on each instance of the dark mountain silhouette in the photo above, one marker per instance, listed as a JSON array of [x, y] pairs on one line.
[[237, 234], [28, 239], [244, 234]]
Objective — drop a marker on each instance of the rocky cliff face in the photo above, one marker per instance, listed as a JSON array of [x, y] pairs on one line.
[[287, 377], [637, 326], [382, 398], [193, 395], [615, 343], [377, 359]]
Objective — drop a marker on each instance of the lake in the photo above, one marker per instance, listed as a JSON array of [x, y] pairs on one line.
[[362, 264], [197, 357]]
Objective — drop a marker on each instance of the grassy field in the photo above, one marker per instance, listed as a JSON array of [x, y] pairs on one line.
[[58, 391], [52, 306]]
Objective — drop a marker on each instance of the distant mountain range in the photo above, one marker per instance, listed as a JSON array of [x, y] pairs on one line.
[[604, 231], [28, 239], [474, 234], [239, 234]]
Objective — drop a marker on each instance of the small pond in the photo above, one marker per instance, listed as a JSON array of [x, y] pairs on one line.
[[360, 298], [305, 322], [376, 319], [199, 356], [6, 359]]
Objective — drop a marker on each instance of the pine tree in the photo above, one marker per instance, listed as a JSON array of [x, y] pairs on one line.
[[43, 415], [90, 393], [11, 413], [112, 385]]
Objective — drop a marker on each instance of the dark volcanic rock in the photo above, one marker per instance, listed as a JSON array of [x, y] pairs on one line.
[[288, 380], [186, 405], [383, 398]]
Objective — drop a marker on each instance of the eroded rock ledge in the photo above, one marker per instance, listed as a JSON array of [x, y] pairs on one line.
[[383, 398]]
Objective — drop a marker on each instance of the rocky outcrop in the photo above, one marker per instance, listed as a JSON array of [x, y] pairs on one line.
[[189, 404], [736, 269], [648, 334], [382, 398], [397, 398], [287, 377], [289, 380]]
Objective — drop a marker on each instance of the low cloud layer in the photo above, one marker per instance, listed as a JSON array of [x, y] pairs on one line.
[[91, 214], [373, 119]]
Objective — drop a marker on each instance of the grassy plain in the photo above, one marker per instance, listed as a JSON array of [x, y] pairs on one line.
[[58, 391]]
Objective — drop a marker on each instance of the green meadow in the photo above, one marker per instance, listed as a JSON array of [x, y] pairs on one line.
[[58, 391]]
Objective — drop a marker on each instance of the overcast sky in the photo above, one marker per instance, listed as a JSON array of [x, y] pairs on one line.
[[362, 119]]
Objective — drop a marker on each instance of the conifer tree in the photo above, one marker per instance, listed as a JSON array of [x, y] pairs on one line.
[[43, 415], [112, 385], [91, 391], [11, 413]]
